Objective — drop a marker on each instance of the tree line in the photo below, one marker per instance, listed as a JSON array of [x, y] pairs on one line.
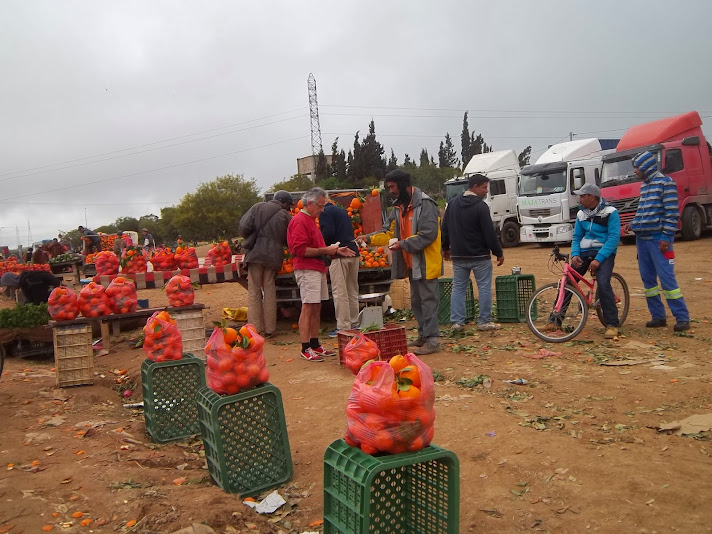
[[214, 209]]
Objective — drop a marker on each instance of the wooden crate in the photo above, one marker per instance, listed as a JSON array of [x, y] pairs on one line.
[[191, 324], [73, 355]]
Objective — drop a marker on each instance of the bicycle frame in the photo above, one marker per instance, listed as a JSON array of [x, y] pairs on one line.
[[570, 275]]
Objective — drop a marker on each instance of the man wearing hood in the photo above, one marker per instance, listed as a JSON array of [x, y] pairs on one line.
[[415, 226], [655, 224], [469, 238], [594, 246]]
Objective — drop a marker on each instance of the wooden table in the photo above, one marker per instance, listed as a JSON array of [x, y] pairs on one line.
[[111, 324]]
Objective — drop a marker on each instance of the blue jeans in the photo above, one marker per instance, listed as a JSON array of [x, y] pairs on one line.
[[654, 264], [482, 268]]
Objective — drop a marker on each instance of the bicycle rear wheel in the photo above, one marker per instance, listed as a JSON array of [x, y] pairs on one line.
[[551, 326], [622, 295]]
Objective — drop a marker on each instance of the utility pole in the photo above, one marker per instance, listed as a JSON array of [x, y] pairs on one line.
[[571, 136], [85, 218], [314, 116]]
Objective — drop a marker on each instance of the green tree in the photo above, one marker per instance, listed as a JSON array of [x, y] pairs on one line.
[[407, 162], [322, 167], [392, 162], [430, 178], [127, 224], [298, 182], [167, 224], [372, 150], [424, 158], [465, 142], [447, 157], [338, 161], [524, 156], [215, 208], [357, 163]]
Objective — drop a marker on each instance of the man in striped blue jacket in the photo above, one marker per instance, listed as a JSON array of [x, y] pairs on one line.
[[655, 224]]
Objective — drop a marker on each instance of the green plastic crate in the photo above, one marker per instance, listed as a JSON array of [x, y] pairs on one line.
[[445, 290], [513, 294], [245, 439], [414, 492], [169, 393]]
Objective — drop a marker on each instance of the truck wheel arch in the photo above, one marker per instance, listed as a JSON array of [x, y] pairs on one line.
[[692, 222], [509, 234]]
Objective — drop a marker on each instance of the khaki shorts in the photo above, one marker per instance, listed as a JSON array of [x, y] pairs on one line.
[[312, 286]]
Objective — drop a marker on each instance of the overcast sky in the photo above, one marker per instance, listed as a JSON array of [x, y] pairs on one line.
[[116, 109]]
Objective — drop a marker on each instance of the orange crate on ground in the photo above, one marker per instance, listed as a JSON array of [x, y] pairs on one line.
[[391, 340]]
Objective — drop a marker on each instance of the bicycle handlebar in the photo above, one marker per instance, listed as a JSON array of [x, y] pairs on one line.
[[557, 255]]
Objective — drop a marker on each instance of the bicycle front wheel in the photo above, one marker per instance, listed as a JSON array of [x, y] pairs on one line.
[[622, 296], [553, 326]]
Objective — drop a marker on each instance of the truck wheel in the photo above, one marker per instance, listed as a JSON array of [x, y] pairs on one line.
[[510, 234], [691, 223]]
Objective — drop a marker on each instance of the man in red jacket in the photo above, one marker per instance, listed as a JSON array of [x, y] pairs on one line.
[[308, 248]]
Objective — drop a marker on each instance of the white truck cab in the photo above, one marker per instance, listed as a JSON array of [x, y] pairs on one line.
[[502, 169], [546, 201]]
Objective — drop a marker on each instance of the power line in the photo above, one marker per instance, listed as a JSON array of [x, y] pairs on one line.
[[163, 141], [481, 117], [144, 151], [463, 109], [153, 170]]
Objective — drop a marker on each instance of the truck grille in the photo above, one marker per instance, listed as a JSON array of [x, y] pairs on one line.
[[540, 212], [625, 205]]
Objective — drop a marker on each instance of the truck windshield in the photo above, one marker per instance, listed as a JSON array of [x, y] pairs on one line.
[[618, 172], [453, 190], [537, 184]]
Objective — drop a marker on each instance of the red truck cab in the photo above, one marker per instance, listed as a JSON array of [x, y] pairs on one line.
[[683, 154]]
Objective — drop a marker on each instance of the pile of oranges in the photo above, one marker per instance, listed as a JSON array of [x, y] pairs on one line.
[[91, 258], [354, 211], [235, 360], [372, 258], [93, 301], [219, 254], [287, 263], [186, 258], [391, 406], [12, 266], [107, 241], [62, 304], [162, 339], [133, 261], [179, 290], [163, 259], [106, 263], [122, 295]]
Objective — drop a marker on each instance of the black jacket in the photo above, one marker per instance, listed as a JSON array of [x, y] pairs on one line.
[[335, 225], [467, 229]]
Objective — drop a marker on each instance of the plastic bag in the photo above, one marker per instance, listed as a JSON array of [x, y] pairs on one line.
[[163, 260], [358, 351], [93, 301], [390, 408], [133, 261], [107, 263], [62, 304], [219, 255], [232, 369], [122, 295], [162, 338], [179, 290], [186, 258]]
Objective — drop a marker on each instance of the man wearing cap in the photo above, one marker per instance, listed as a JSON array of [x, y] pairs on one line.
[[264, 226], [655, 224], [148, 243], [595, 242]]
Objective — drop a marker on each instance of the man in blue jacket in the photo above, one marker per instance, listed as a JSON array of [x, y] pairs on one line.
[[595, 242]]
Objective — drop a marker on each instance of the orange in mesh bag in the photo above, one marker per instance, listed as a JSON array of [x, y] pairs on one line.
[[62, 304], [93, 301], [162, 339], [358, 351], [122, 295], [179, 290], [390, 408], [235, 360]]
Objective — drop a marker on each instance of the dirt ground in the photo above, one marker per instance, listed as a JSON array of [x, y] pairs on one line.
[[573, 451]]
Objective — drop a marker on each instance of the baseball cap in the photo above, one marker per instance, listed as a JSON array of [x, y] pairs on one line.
[[589, 189]]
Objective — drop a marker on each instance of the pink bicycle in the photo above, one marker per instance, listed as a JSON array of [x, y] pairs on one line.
[[558, 312]]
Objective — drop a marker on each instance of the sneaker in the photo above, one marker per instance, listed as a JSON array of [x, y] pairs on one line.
[[611, 332], [489, 326], [310, 355], [418, 342], [681, 326], [656, 323], [457, 327], [321, 351], [334, 333], [427, 348]]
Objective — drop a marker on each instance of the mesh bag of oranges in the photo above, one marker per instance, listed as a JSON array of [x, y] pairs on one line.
[[133, 260], [179, 291], [107, 263], [358, 351], [62, 304], [93, 301], [122, 295], [219, 255], [235, 360], [186, 258], [163, 260], [390, 408], [162, 339]]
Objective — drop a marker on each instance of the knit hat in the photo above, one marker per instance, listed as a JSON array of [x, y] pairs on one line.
[[646, 162]]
